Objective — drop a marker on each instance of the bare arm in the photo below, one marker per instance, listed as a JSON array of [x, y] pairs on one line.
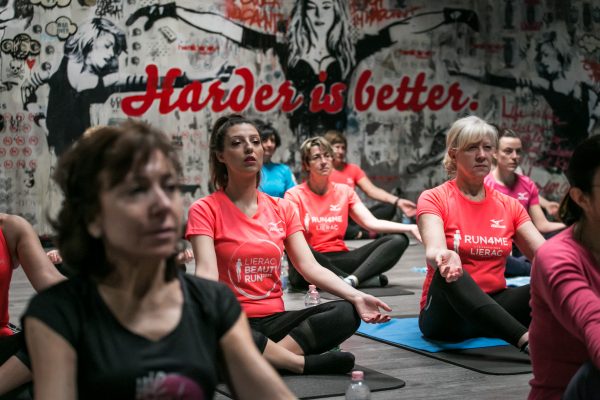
[[204, 20], [54, 362], [251, 375], [376, 193], [206, 259], [541, 223], [437, 253], [528, 239], [25, 248], [361, 214], [366, 305], [13, 373], [551, 207]]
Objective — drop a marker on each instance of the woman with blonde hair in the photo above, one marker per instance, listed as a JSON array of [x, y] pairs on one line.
[[468, 229]]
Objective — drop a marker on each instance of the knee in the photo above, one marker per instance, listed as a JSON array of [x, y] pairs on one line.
[[585, 384], [399, 240], [348, 317]]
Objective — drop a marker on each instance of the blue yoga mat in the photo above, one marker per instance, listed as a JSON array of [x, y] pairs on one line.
[[518, 281], [406, 332]]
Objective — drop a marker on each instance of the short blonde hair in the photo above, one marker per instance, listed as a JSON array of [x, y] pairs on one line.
[[308, 144], [464, 132]]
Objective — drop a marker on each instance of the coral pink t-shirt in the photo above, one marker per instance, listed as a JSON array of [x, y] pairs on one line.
[[565, 309], [325, 217], [524, 190], [6, 269], [479, 231], [248, 249], [349, 175]]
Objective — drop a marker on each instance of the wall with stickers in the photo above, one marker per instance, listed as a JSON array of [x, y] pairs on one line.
[[392, 74]]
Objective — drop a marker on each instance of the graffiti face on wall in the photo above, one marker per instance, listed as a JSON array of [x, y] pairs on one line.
[[393, 75]]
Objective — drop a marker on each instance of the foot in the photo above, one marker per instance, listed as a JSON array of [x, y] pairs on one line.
[[351, 280], [332, 362], [375, 281]]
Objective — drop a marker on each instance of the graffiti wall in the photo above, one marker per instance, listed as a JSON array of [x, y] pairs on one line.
[[391, 74]]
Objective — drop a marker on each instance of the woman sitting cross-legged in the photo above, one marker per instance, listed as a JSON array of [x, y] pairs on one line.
[[238, 235], [324, 208], [131, 324], [468, 229]]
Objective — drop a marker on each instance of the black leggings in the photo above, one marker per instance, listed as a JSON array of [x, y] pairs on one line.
[[460, 310], [316, 329], [383, 211], [365, 262]]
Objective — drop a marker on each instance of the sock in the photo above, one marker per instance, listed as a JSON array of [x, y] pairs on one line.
[[351, 280], [332, 362], [525, 348]]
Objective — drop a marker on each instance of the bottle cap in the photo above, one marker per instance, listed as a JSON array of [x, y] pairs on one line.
[[358, 375], [312, 287]]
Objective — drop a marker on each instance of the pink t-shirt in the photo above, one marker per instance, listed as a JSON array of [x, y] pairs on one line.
[[325, 217], [349, 175], [248, 250], [479, 231], [565, 310], [6, 269], [524, 190]]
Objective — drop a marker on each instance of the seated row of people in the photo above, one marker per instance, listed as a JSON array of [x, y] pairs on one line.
[[131, 320]]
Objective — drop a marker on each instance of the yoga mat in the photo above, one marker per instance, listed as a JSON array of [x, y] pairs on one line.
[[485, 355], [317, 386], [518, 281], [390, 290]]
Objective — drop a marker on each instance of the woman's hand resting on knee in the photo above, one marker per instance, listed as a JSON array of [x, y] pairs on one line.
[[368, 308], [449, 264]]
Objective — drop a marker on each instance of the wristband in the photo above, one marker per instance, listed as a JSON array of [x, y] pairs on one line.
[[396, 202]]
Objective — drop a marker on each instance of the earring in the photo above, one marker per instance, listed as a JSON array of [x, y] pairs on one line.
[[95, 231]]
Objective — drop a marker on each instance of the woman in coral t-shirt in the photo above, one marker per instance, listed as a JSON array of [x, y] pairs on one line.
[[324, 207], [565, 290], [238, 235], [468, 229]]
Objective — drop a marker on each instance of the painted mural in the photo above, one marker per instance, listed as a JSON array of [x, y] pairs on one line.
[[391, 74]]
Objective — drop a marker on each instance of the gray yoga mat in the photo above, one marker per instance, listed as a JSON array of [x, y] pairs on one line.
[[390, 290], [317, 386]]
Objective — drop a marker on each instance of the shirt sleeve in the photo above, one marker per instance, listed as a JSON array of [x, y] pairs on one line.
[[535, 195], [216, 302], [429, 203], [520, 215], [357, 173], [201, 220], [572, 300], [58, 308], [353, 198], [290, 216], [289, 181]]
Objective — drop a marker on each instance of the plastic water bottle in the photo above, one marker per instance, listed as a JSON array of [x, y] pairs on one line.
[[312, 297], [285, 274], [358, 389]]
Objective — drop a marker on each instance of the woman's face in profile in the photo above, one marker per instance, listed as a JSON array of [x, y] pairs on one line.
[[141, 217], [321, 15], [102, 55]]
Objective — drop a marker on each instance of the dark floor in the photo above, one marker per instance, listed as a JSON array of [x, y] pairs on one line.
[[425, 377]]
